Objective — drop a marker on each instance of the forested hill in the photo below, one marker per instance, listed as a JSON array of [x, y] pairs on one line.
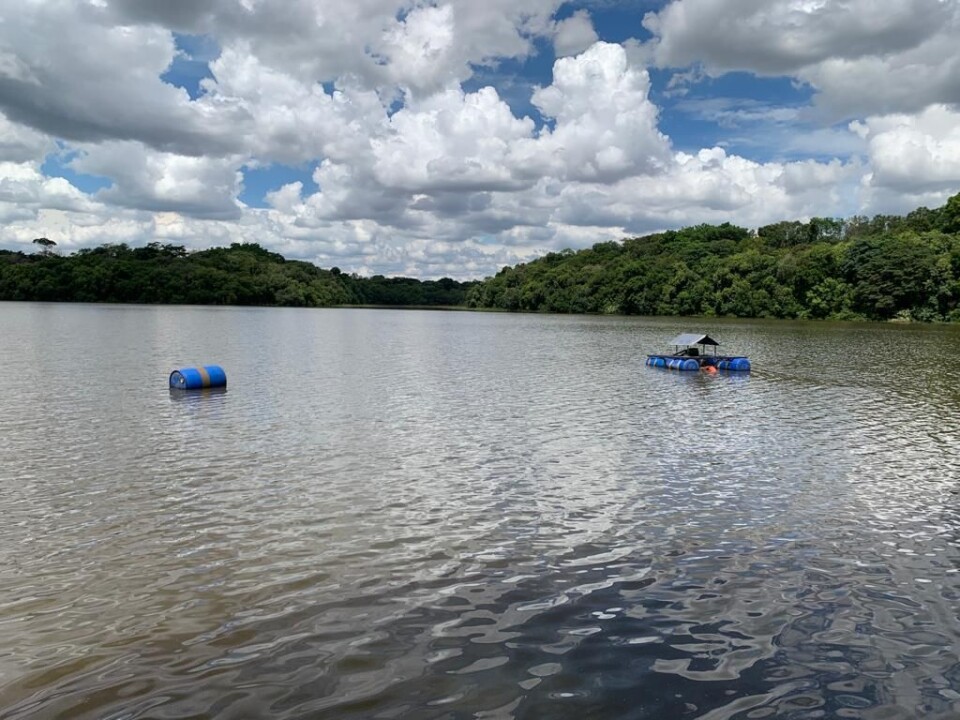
[[889, 267], [242, 274]]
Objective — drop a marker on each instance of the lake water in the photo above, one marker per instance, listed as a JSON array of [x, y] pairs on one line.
[[401, 514]]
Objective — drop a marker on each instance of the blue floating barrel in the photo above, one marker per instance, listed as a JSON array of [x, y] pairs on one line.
[[673, 363], [198, 378], [683, 364], [740, 364]]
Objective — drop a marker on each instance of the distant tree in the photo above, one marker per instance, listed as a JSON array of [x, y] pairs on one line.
[[825, 230], [922, 220], [46, 245], [784, 234], [951, 215], [889, 274]]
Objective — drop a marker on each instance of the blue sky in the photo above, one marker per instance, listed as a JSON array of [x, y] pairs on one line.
[[191, 64], [437, 137]]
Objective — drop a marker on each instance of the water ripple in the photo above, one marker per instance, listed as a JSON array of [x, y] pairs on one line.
[[435, 515]]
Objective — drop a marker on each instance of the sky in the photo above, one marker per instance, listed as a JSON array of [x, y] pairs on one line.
[[453, 137]]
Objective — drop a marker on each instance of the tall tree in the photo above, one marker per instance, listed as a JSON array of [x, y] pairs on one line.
[[46, 245]]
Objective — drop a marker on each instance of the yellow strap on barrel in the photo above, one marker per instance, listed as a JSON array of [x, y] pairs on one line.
[[204, 376]]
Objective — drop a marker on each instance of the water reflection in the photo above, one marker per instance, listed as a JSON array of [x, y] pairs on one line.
[[210, 396], [455, 515]]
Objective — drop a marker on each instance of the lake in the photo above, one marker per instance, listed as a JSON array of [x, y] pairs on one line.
[[403, 514]]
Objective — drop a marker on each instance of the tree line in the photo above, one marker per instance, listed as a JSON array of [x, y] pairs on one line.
[[880, 268], [887, 267], [242, 274]]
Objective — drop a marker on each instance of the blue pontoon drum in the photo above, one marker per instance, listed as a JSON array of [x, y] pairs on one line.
[[688, 356], [198, 378]]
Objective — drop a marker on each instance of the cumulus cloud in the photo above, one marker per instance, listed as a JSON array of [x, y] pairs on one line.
[[375, 41], [452, 140], [22, 144], [574, 35], [148, 180], [861, 56], [712, 186], [904, 82], [419, 172], [606, 126], [418, 50], [288, 199], [80, 79], [287, 120], [784, 36], [914, 159], [26, 193]]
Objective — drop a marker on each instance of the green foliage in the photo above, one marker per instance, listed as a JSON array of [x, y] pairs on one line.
[[881, 268], [46, 245], [380, 290], [242, 274], [950, 215], [889, 274]]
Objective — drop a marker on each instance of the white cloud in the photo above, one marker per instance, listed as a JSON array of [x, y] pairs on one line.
[[149, 180], [712, 186], [452, 140], [574, 35], [606, 126], [80, 79], [418, 175], [288, 199], [784, 36], [25, 191], [861, 56], [285, 119], [419, 49], [374, 41], [918, 155], [21, 144], [883, 83]]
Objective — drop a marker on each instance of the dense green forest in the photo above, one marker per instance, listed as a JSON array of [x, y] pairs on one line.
[[242, 274], [888, 267]]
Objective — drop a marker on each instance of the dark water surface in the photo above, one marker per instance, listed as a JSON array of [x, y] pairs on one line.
[[396, 514]]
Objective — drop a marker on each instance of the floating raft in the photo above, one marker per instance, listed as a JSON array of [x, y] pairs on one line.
[[687, 356], [719, 362]]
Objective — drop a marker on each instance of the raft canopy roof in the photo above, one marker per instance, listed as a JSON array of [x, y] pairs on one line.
[[693, 339]]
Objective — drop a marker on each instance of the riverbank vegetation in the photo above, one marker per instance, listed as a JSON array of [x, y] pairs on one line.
[[884, 268], [242, 274], [888, 267]]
